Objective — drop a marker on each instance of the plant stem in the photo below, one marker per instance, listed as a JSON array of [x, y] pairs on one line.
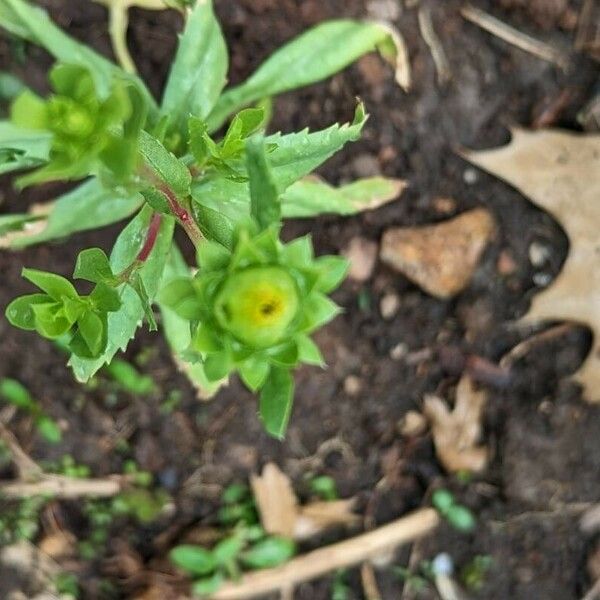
[[183, 216], [151, 237]]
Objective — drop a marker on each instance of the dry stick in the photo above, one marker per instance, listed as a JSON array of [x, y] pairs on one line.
[[514, 36], [369, 582], [330, 558], [26, 467], [435, 46], [594, 592]]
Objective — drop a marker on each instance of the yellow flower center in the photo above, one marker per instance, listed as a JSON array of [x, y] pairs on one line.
[[257, 305]]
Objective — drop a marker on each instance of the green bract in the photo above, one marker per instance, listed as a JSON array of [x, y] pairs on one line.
[[201, 159]]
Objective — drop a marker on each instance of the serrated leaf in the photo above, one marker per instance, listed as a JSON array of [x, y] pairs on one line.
[[34, 25], [166, 166], [312, 56], [276, 398], [93, 265], [88, 206], [264, 196], [123, 323], [199, 71]]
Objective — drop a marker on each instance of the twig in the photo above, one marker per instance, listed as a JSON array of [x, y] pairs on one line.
[[330, 558], [369, 582], [435, 46], [60, 486], [27, 469], [594, 592], [513, 36]]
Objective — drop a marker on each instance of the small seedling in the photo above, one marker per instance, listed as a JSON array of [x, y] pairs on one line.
[[199, 159], [16, 394], [474, 573], [67, 586], [324, 487], [414, 582], [459, 516], [68, 467], [340, 590], [247, 548], [128, 378]]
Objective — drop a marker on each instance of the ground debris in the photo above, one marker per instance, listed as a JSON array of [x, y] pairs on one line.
[[440, 258]]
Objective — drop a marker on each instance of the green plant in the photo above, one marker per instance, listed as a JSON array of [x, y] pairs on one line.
[[473, 574], [68, 467], [459, 516], [324, 487], [20, 520], [254, 301], [247, 547], [415, 582], [18, 395]]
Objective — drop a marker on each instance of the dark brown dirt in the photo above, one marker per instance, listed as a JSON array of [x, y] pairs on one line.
[[546, 441]]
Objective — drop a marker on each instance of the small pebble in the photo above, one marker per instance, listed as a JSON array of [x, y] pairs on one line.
[[389, 305], [470, 176], [399, 351], [384, 10], [352, 385], [538, 254], [362, 254], [542, 279], [366, 165], [412, 424], [506, 264]]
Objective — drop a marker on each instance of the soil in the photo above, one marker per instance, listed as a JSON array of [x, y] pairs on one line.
[[545, 438]]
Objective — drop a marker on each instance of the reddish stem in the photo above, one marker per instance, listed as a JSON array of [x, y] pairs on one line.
[[184, 217], [151, 237]]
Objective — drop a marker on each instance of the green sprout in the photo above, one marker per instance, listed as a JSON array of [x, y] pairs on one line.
[[459, 516], [200, 159]]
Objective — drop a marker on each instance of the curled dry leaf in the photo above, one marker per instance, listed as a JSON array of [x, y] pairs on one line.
[[456, 433], [281, 513], [396, 53], [440, 258], [560, 172], [33, 228]]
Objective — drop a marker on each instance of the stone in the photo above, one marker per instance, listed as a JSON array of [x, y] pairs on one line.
[[441, 258], [362, 254]]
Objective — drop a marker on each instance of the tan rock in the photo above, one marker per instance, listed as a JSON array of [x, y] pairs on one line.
[[442, 258], [362, 254]]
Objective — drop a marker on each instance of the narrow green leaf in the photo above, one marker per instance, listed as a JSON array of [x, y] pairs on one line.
[[137, 283], [123, 323], [311, 196], [199, 71], [312, 56], [214, 225], [276, 398], [264, 196], [54, 285], [88, 206], [167, 167], [129, 378]]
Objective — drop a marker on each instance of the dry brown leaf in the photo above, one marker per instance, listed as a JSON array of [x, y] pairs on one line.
[[276, 501], [281, 513], [30, 229], [58, 544], [456, 433], [440, 258], [560, 172]]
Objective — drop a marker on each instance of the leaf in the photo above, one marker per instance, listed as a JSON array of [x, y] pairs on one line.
[[560, 172], [275, 404], [88, 206], [177, 330], [312, 196], [313, 56], [295, 156], [54, 285], [457, 432], [22, 148], [129, 378], [208, 585], [276, 501], [165, 165], [93, 265], [19, 312], [15, 223], [34, 25], [264, 197], [17, 394], [48, 429], [198, 73], [269, 552], [193, 559], [123, 323]]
